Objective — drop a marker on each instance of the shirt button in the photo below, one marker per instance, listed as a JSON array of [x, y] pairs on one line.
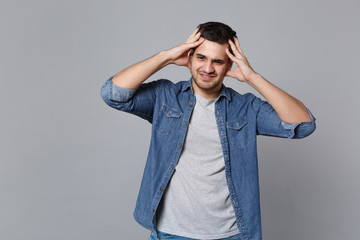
[[171, 167], [190, 104], [162, 189], [185, 123], [179, 145], [152, 210]]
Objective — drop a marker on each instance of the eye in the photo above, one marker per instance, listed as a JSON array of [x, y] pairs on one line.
[[200, 57], [218, 62]]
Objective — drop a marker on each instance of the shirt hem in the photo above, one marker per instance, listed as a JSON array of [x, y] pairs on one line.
[[202, 237]]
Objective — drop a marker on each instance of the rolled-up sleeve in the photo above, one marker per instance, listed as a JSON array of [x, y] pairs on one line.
[[139, 102], [269, 123], [300, 130], [112, 93]]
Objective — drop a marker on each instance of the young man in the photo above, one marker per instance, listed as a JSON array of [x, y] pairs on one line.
[[201, 176]]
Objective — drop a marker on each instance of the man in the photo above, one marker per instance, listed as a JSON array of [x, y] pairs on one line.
[[201, 177]]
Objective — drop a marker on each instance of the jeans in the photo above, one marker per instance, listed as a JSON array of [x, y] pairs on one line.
[[162, 235]]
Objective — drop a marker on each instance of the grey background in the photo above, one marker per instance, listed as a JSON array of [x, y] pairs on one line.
[[70, 167]]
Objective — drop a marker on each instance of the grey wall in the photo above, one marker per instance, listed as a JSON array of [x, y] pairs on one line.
[[70, 167]]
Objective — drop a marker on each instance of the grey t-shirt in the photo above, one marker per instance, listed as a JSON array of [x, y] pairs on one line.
[[196, 203]]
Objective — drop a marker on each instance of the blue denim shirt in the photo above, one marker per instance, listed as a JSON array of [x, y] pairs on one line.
[[168, 106]]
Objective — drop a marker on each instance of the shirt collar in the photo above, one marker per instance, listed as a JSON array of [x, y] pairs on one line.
[[224, 90]]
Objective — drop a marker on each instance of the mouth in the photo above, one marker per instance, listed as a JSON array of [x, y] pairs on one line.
[[206, 77]]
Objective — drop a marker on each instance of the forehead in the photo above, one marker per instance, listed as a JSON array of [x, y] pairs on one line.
[[212, 50]]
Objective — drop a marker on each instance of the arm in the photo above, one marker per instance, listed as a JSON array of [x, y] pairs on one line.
[[288, 108], [133, 76]]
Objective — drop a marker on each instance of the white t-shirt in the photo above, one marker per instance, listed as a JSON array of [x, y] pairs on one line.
[[196, 203]]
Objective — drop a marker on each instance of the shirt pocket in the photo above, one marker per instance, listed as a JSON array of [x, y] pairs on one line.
[[238, 133], [168, 120]]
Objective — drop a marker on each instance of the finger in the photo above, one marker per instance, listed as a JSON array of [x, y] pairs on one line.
[[237, 44], [231, 56], [197, 43], [194, 38], [236, 41], [193, 34], [187, 46], [235, 49], [230, 74]]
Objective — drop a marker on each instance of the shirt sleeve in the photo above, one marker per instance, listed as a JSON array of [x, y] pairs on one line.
[[269, 123], [139, 102]]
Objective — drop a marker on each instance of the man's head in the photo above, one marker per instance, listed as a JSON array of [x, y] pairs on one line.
[[217, 32], [209, 62]]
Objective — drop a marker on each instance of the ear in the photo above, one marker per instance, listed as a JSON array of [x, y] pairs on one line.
[[191, 54], [230, 64]]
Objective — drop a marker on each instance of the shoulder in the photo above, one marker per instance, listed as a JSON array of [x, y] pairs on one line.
[[155, 86], [163, 82], [245, 101], [168, 86], [239, 97]]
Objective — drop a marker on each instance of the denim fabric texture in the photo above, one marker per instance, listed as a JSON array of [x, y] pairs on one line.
[[162, 236], [240, 118]]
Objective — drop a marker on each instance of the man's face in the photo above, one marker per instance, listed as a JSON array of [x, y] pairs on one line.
[[208, 66]]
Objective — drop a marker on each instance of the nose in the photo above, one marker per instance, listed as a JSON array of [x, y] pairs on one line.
[[208, 67]]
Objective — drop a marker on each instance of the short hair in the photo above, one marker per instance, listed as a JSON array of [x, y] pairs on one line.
[[217, 32]]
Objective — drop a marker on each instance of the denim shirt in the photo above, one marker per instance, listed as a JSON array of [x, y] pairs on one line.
[[168, 107]]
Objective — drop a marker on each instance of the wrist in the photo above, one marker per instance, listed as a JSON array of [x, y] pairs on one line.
[[164, 58], [253, 77]]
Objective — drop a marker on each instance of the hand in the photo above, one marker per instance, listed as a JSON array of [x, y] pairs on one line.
[[179, 55], [243, 71]]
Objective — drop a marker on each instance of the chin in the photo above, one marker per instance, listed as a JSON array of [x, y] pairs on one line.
[[206, 84]]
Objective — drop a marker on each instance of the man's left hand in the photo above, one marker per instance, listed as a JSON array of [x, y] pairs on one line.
[[243, 71]]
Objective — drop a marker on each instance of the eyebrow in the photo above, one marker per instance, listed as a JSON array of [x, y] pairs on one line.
[[216, 60]]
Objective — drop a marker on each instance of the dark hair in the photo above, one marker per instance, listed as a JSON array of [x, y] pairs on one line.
[[217, 32]]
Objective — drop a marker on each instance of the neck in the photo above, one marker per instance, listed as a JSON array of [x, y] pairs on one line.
[[208, 94]]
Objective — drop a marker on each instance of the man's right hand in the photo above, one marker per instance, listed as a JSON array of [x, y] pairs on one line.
[[179, 55], [133, 76]]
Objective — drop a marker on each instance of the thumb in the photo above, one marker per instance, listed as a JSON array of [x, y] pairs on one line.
[[230, 74]]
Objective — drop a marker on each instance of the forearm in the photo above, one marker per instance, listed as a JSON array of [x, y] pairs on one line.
[[288, 108], [133, 76]]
